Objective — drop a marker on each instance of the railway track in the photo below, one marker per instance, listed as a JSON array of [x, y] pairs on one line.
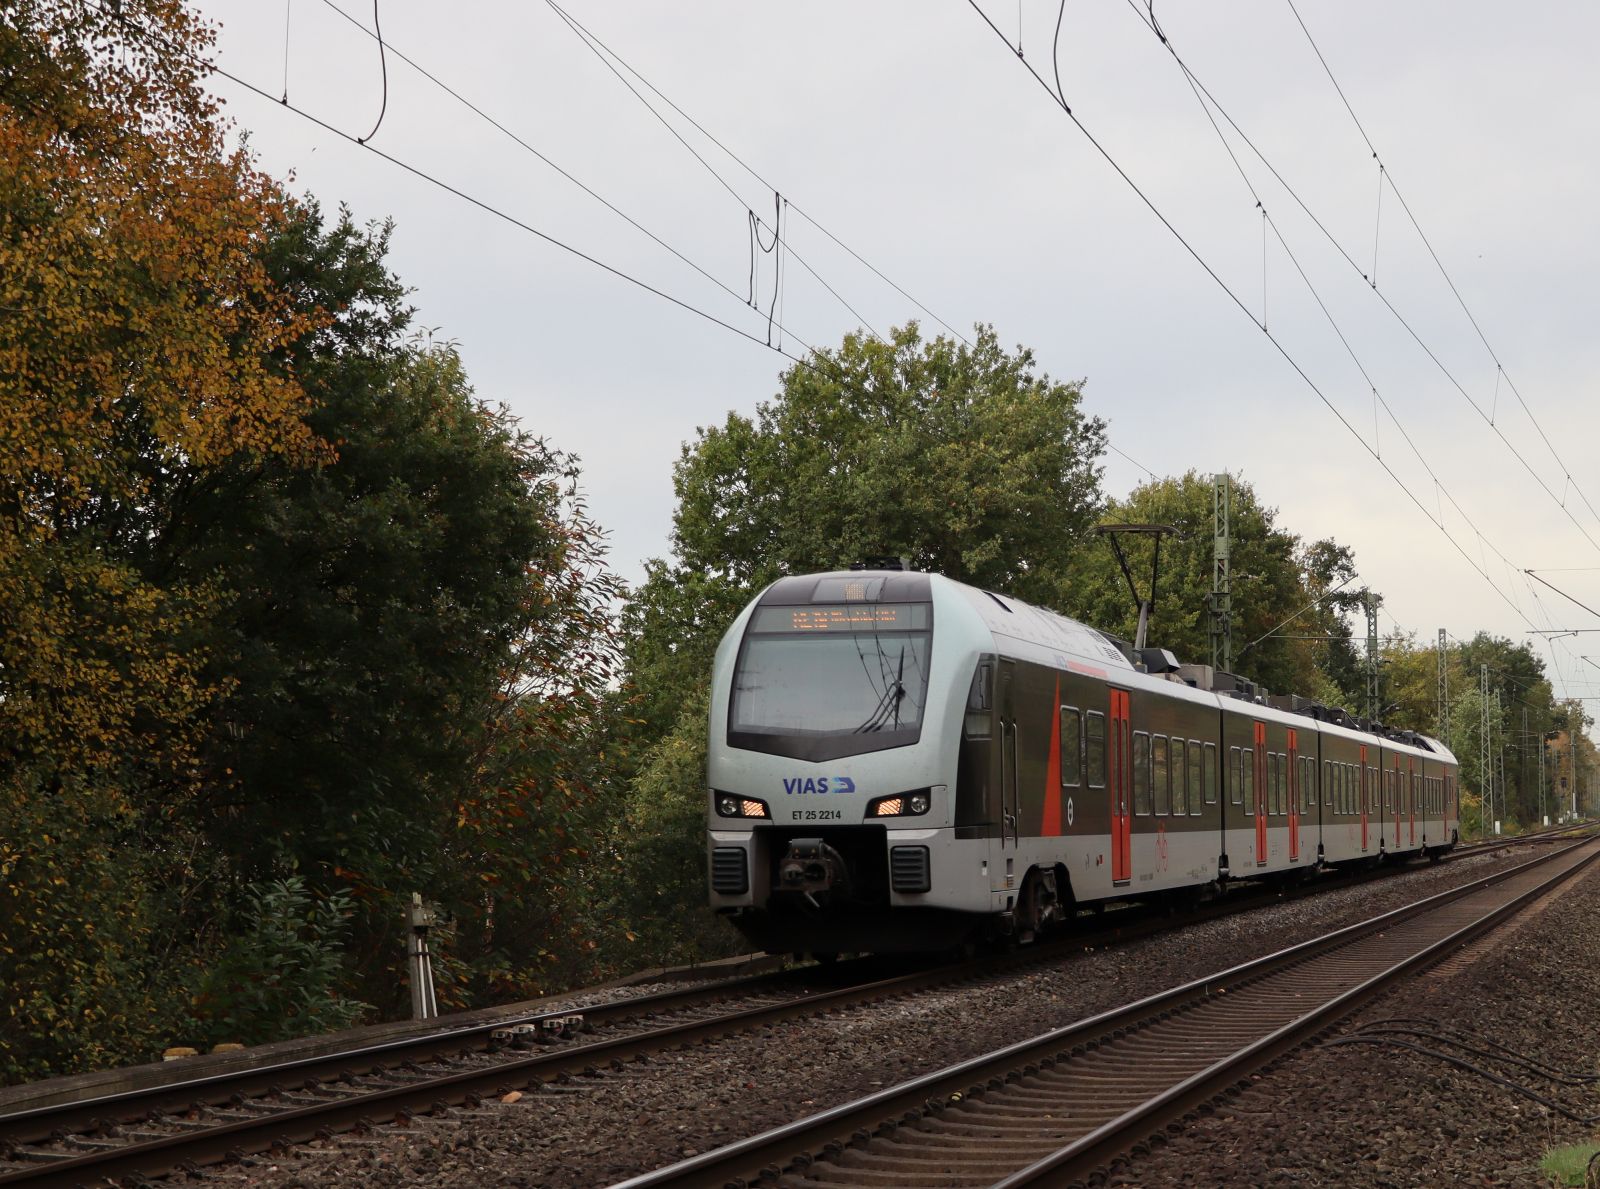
[[148, 1131], [1057, 1109]]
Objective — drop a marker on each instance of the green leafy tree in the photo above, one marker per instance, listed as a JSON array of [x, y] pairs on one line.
[[1282, 588], [1523, 712], [962, 459], [387, 613]]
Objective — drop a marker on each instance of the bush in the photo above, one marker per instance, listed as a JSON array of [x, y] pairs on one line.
[[280, 974]]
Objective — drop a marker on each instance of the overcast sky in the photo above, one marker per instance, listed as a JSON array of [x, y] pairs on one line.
[[910, 131]]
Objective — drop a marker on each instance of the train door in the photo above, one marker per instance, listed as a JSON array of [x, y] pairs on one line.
[[1399, 781], [1366, 794], [1262, 799], [1121, 791], [1294, 799], [1005, 701], [1411, 802]]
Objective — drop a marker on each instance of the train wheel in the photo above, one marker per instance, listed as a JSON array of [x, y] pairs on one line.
[[1037, 906]]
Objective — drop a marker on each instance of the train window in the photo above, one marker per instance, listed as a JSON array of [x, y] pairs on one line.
[[1280, 783], [1196, 777], [1180, 773], [1071, 747], [1141, 773], [1162, 773], [1235, 776], [1328, 785], [1209, 773], [1274, 803], [1094, 748], [1248, 768], [1308, 784], [1347, 783]]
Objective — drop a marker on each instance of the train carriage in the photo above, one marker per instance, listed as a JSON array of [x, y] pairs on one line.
[[900, 761]]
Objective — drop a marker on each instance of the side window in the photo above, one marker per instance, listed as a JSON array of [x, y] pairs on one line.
[[1180, 773], [1235, 776], [1328, 793], [1280, 782], [1209, 773], [1247, 767], [1162, 773], [1071, 747], [1196, 775], [1141, 773], [1308, 784], [1094, 734], [1274, 803]]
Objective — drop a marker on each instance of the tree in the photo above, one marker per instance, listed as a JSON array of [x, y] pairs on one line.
[[141, 341], [1275, 576], [138, 327], [960, 458]]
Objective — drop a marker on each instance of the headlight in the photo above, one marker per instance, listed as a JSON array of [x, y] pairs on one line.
[[912, 804], [729, 805]]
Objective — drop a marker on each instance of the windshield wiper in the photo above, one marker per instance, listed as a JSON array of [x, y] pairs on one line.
[[890, 702]]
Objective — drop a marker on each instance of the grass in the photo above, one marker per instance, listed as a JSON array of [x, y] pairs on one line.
[[1566, 1166]]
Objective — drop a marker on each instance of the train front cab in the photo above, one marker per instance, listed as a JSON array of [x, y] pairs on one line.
[[842, 811]]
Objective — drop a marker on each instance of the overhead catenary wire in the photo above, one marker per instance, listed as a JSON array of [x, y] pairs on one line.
[[482, 204], [536, 153], [1382, 296], [1207, 102], [600, 47], [1387, 176], [594, 47], [1234, 297]]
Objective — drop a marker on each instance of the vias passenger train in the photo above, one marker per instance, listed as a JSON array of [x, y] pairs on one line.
[[900, 762]]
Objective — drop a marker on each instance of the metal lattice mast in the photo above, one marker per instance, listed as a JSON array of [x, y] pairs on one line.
[[1500, 752], [1443, 724], [1485, 773], [1372, 658], [1221, 585], [1543, 747]]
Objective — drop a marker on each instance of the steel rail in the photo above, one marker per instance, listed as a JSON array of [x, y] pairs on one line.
[[314, 1073], [794, 1147], [216, 1089]]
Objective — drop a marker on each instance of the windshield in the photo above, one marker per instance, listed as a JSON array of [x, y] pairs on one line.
[[853, 675]]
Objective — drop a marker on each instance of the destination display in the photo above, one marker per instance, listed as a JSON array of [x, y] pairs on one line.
[[846, 617]]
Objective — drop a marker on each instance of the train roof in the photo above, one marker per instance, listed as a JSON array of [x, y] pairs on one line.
[[1056, 638]]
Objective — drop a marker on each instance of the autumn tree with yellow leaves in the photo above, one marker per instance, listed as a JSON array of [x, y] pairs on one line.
[[291, 622], [140, 339]]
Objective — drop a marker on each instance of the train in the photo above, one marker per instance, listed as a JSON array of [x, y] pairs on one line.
[[901, 762]]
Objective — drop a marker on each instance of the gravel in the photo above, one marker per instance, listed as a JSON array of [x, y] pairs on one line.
[[1379, 1115], [596, 1131]]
